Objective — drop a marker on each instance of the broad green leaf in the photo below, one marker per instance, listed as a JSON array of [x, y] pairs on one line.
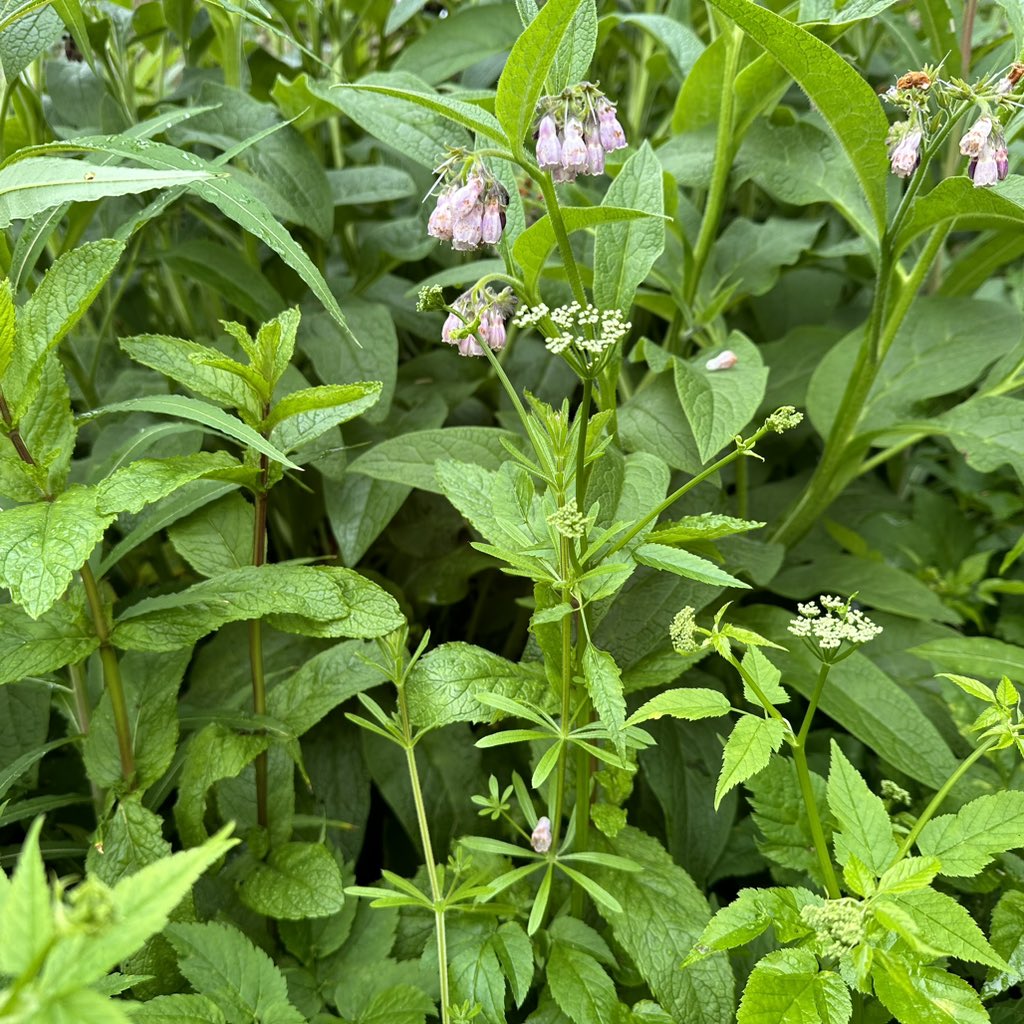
[[787, 986], [26, 917], [355, 186], [7, 319], [399, 1004], [83, 1006], [443, 684], [476, 978], [581, 986], [684, 563], [136, 485], [980, 655], [926, 995], [58, 303], [132, 838], [213, 753], [984, 430], [948, 927], [142, 903], [523, 80], [778, 813], [221, 963], [321, 684], [297, 880], [680, 42], [967, 841], [25, 40], [17, 768], [321, 601], [625, 251], [150, 683], [690, 703], [909, 874], [663, 915], [304, 415], [719, 404], [956, 201], [35, 646], [411, 458], [208, 415], [468, 115], [534, 245], [604, 684], [43, 545], [750, 745], [864, 826], [843, 98], [30, 186], [218, 538]]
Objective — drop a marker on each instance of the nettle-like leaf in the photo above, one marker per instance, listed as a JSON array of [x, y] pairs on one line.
[[966, 842], [913, 994], [690, 704], [787, 985], [297, 880], [864, 826], [581, 986], [750, 745], [604, 684]]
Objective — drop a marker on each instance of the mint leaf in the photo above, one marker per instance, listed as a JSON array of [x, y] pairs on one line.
[[34, 647], [132, 487], [298, 880], [683, 563]]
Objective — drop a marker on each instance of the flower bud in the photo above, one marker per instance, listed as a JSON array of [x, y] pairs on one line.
[[723, 361], [549, 150], [540, 838], [905, 154], [574, 150]]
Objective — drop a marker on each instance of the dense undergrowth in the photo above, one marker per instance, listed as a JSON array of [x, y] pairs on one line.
[[511, 514]]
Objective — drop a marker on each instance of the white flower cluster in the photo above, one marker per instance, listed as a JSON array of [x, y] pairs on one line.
[[832, 623], [577, 323]]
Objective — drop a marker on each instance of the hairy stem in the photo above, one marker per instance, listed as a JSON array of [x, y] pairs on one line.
[[715, 203]]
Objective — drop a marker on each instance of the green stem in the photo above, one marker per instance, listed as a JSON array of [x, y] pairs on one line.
[[259, 683], [812, 707], [583, 421], [940, 796], [437, 896], [562, 237], [83, 715], [715, 203], [803, 774], [566, 709], [111, 673]]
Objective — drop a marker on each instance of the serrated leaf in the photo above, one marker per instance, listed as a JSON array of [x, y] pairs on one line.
[[320, 601], [220, 962], [43, 545], [604, 684], [689, 703], [132, 487], [967, 841], [864, 826], [443, 684], [217, 538], [581, 987], [687, 564], [759, 667], [178, 1009], [909, 874], [663, 915], [926, 995], [297, 880], [787, 986], [304, 415], [747, 751], [26, 919], [36, 646], [515, 952]]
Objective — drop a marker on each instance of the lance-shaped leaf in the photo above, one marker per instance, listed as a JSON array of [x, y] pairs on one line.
[[304, 415], [604, 684], [748, 750], [132, 487], [33, 647]]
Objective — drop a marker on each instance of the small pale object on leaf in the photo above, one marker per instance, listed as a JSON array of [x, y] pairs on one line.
[[723, 361], [540, 837]]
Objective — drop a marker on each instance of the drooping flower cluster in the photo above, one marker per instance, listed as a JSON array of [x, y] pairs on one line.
[[470, 208], [575, 131], [585, 328], [831, 621], [985, 145], [919, 93], [480, 314]]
